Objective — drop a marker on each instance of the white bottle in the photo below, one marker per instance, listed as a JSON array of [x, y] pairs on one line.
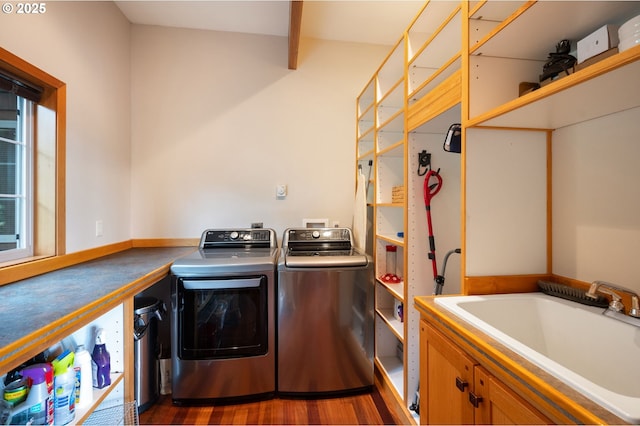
[[84, 383]]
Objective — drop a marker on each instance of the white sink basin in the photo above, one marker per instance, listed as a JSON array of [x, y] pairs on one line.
[[594, 354]]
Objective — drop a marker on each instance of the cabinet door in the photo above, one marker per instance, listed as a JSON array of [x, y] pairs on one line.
[[498, 405], [445, 376]]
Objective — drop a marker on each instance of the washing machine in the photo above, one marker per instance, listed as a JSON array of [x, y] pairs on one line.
[[325, 314]]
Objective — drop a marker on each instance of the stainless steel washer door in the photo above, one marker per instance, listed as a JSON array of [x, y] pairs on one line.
[[325, 330]]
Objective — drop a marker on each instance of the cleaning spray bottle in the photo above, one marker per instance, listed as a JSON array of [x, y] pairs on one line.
[[40, 399], [64, 387], [101, 361]]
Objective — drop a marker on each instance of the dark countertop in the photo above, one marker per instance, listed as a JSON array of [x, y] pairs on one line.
[[40, 308]]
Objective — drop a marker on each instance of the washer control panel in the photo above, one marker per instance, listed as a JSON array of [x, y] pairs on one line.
[[317, 239], [322, 234]]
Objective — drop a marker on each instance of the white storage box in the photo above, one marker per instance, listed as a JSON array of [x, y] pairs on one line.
[[601, 40]]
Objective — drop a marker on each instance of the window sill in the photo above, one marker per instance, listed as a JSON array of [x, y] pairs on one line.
[[30, 267]]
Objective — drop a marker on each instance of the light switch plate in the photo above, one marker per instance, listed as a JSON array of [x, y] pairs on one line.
[[281, 191]]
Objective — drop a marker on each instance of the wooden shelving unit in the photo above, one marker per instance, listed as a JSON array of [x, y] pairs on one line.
[[462, 62], [512, 139], [426, 57]]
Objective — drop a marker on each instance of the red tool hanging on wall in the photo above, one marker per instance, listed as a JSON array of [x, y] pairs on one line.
[[432, 185]]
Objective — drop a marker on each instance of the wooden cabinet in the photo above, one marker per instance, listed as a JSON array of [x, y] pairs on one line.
[[457, 390], [446, 375], [498, 405]]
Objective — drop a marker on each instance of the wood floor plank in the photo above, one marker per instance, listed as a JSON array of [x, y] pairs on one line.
[[199, 416], [264, 413], [367, 411], [241, 416], [342, 413], [364, 409], [294, 412], [384, 409]]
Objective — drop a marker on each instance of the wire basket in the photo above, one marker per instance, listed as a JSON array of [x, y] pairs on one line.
[[126, 414]]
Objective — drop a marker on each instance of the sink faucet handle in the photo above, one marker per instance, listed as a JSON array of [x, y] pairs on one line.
[[604, 287], [616, 303], [616, 300], [635, 309]]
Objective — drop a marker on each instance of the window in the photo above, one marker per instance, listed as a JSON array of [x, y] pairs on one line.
[[16, 147], [32, 169]]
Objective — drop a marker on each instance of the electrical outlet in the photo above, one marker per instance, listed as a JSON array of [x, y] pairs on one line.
[[99, 228]]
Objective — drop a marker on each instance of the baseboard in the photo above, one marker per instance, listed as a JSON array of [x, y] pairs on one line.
[[165, 242]]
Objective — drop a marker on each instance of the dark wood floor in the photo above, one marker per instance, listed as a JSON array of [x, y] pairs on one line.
[[364, 409]]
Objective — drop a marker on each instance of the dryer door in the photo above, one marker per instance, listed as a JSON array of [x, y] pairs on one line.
[[222, 318]]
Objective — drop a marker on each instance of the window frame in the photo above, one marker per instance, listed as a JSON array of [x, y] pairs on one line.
[[49, 144], [24, 141]]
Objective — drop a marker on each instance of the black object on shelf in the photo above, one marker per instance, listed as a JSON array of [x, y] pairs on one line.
[[559, 61]]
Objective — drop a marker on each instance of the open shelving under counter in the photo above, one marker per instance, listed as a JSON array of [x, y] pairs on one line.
[[74, 297], [99, 396], [70, 303]]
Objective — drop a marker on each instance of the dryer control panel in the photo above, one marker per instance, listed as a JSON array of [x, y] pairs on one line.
[[212, 238]]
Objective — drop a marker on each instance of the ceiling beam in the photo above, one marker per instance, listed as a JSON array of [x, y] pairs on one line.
[[295, 20]]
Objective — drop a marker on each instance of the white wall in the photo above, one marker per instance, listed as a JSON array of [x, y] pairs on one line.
[[215, 120], [596, 200], [445, 215], [219, 121], [86, 45], [506, 202]]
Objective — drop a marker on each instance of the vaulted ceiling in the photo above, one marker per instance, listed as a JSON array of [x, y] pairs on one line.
[[362, 21]]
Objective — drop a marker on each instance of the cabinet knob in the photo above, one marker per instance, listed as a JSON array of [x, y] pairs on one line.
[[474, 399], [461, 384]]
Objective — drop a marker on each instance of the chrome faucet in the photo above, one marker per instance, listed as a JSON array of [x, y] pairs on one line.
[[616, 306]]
